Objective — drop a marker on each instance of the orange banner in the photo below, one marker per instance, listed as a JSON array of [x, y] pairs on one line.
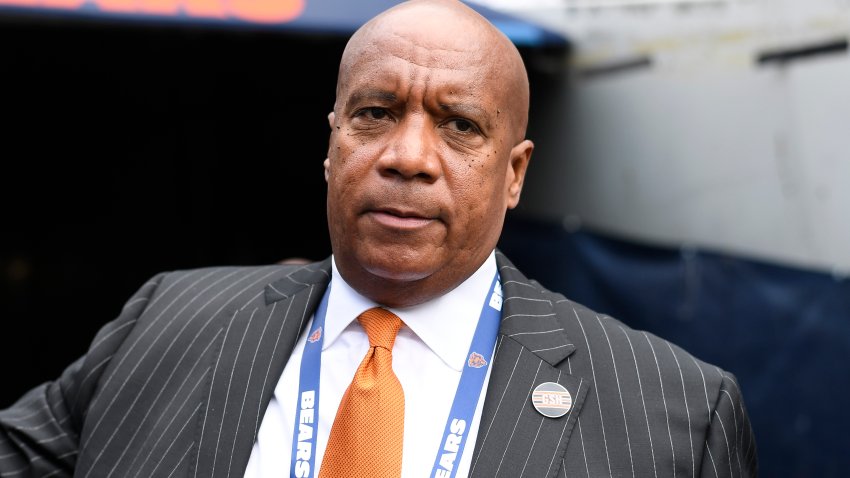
[[259, 11]]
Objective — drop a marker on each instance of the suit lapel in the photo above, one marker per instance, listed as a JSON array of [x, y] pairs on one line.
[[256, 346], [515, 440]]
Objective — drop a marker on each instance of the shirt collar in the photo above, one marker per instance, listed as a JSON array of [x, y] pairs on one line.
[[445, 324]]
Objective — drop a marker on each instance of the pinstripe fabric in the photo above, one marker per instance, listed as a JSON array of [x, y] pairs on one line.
[[178, 383], [642, 406]]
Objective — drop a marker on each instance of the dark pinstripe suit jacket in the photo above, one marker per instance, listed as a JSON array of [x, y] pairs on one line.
[[178, 383]]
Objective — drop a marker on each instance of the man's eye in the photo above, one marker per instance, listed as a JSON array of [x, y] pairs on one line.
[[462, 125], [374, 113]]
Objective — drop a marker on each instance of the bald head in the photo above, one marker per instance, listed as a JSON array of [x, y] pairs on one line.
[[448, 25]]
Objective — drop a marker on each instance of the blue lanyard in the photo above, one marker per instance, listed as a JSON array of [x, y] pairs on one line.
[[463, 408], [306, 415], [471, 382]]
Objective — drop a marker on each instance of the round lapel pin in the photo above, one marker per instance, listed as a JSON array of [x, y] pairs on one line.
[[551, 399]]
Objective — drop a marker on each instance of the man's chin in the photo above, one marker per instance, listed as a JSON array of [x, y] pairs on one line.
[[396, 271], [397, 278], [397, 262]]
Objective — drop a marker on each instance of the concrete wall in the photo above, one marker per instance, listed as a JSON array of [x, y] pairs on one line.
[[664, 126]]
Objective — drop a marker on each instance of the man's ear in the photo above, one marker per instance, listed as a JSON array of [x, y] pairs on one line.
[[518, 164], [327, 163]]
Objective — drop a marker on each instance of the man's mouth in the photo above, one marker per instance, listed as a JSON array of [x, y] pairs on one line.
[[399, 219]]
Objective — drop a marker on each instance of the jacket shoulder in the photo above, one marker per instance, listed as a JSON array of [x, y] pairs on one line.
[[612, 338]]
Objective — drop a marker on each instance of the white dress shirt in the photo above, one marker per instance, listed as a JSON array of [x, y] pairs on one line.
[[428, 357]]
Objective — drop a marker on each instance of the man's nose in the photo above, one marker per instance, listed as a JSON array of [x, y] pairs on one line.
[[413, 152]]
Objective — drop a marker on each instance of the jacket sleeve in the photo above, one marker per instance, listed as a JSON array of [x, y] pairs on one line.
[[39, 434], [730, 448]]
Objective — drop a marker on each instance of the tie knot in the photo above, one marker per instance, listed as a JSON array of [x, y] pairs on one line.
[[381, 326]]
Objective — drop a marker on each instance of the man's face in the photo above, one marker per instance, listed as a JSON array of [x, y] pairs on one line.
[[421, 164]]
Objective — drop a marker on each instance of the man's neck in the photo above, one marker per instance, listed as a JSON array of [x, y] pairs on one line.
[[404, 293]]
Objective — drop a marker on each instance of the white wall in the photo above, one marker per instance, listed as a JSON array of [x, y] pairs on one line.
[[705, 146]]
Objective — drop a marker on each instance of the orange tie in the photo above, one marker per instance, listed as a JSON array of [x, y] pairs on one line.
[[367, 435]]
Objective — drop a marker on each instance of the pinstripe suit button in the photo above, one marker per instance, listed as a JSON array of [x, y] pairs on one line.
[[551, 399]]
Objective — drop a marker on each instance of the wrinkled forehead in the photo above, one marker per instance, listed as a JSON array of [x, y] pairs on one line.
[[416, 57]]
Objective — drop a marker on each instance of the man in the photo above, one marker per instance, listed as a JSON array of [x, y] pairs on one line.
[[266, 371]]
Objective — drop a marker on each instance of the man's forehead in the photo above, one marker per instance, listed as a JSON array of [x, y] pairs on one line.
[[405, 82], [419, 49], [402, 62]]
